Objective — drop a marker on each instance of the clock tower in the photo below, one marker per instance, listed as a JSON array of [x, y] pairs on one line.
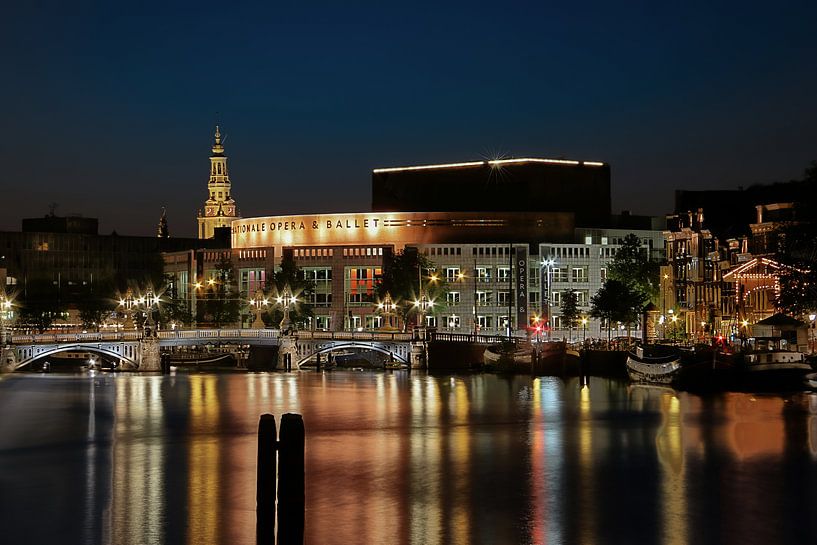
[[219, 208]]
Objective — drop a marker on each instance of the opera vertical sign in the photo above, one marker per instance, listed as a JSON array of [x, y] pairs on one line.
[[521, 286]]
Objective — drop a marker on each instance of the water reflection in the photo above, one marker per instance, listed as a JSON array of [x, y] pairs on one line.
[[406, 459]]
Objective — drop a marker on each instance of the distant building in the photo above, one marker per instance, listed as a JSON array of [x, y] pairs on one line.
[[72, 258], [507, 185], [219, 208], [730, 212]]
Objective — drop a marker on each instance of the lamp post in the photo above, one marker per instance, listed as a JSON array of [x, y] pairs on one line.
[[584, 328], [386, 307], [286, 300], [128, 303], [149, 300], [664, 305], [546, 266], [258, 301], [5, 307], [812, 317], [423, 304]]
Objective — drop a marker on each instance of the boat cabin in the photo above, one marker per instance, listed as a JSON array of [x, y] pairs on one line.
[[786, 329]]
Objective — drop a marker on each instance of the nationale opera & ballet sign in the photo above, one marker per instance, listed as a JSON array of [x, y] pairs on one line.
[[398, 228]]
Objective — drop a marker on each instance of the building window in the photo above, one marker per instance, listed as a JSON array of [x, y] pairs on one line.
[[603, 274], [556, 298], [579, 274], [431, 321], [485, 322], [559, 274], [323, 322], [503, 298], [452, 321], [452, 274], [483, 274], [588, 239], [484, 298], [503, 274], [452, 297], [604, 240]]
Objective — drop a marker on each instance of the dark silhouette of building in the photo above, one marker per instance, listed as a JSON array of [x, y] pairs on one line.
[[508, 185]]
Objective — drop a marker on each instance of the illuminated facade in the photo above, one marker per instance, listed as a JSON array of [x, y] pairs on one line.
[[344, 254], [219, 208]]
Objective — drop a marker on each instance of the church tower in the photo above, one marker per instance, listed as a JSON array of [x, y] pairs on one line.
[[219, 208]]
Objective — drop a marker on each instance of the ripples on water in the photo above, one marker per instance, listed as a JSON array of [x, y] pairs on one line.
[[405, 459]]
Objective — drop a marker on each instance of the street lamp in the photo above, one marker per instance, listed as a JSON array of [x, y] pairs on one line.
[[584, 328], [423, 304], [811, 318], [546, 266], [128, 303], [386, 307], [286, 300], [258, 301], [148, 300], [5, 307]]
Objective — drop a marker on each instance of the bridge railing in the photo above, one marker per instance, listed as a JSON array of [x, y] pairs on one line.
[[470, 338], [51, 338], [353, 335], [217, 334]]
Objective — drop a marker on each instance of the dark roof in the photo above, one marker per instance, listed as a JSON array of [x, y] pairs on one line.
[[780, 319]]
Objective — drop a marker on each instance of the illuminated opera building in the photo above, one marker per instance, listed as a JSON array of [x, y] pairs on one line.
[[507, 236]]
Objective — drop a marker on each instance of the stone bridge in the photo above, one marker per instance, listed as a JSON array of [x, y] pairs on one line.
[[135, 351]]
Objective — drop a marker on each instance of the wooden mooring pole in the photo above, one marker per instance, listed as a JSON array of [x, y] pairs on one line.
[[265, 489], [290, 489]]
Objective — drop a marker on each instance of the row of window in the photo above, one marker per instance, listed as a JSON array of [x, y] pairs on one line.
[[313, 252], [358, 252]]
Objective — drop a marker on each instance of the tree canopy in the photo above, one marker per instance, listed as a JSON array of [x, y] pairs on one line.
[[633, 266], [221, 301], [570, 308], [797, 248], [292, 276], [403, 272], [617, 301]]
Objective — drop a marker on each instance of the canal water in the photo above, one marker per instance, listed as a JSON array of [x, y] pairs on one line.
[[398, 458]]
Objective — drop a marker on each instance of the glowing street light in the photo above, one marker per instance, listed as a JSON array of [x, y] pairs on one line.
[[5, 308], [286, 300], [258, 302]]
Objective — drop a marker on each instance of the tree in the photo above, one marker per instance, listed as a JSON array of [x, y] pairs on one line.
[[403, 273], [222, 301], [290, 275], [617, 301], [797, 248], [172, 308], [570, 309], [40, 304], [96, 304], [632, 265]]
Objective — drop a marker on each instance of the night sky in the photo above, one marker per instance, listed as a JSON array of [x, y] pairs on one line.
[[111, 114]]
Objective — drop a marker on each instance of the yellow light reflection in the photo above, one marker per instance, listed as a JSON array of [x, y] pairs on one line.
[[203, 461]]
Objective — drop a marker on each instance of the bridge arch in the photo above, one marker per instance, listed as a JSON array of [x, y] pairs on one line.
[[128, 352], [305, 352]]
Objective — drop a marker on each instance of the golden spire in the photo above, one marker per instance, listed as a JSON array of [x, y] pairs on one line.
[[218, 149]]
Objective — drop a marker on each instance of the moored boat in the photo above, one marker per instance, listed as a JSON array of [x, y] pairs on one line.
[[770, 363], [656, 364]]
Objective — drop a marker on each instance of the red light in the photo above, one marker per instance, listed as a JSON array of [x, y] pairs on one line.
[[538, 328]]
